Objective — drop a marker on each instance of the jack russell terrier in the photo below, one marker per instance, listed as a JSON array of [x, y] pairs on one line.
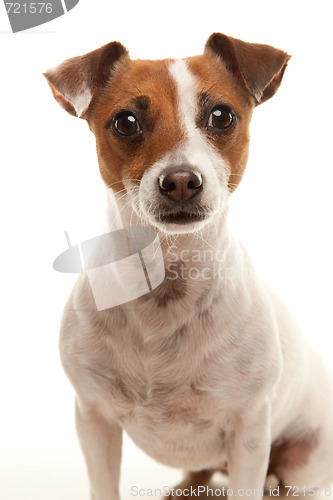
[[208, 372]]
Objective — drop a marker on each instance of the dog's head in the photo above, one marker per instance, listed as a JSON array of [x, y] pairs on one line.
[[173, 135]]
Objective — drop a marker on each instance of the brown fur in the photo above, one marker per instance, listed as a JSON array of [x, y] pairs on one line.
[[119, 159], [222, 87]]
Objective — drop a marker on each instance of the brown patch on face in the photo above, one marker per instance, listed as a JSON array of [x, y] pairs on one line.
[[217, 86], [292, 453], [146, 89]]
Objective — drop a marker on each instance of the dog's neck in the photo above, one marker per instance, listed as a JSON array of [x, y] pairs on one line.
[[209, 257], [201, 269]]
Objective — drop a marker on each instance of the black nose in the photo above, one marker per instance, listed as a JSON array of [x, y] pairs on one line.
[[180, 185]]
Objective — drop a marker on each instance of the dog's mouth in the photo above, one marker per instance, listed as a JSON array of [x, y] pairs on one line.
[[181, 217]]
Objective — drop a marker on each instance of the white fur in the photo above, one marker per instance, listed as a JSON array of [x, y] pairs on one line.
[[81, 101], [213, 376], [187, 97]]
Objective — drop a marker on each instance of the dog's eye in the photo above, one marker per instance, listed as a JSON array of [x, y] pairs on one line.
[[125, 123], [220, 118]]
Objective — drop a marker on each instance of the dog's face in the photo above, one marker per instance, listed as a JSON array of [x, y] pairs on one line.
[[172, 134]]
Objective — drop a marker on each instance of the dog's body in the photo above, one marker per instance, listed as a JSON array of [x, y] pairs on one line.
[[208, 371]]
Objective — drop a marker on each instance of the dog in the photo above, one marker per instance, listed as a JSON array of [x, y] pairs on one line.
[[208, 372]]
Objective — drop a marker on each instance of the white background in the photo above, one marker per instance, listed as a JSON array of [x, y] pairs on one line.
[[50, 183]]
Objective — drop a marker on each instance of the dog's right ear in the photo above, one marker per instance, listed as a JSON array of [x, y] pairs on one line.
[[74, 81]]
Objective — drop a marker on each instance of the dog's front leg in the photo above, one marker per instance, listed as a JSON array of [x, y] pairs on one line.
[[248, 453], [101, 442]]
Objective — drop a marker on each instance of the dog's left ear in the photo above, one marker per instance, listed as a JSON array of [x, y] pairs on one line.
[[259, 67], [75, 81]]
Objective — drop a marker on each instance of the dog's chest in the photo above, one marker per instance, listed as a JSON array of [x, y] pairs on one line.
[[173, 372], [174, 393], [166, 396]]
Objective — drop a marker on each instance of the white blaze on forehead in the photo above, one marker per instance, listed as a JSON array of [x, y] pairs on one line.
[[186, 85], [196, 149]]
